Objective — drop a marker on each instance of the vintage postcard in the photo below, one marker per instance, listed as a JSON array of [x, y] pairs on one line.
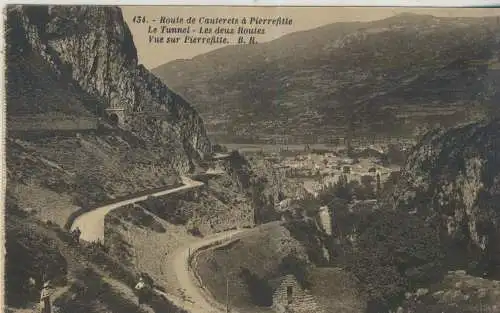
[[211, 159]]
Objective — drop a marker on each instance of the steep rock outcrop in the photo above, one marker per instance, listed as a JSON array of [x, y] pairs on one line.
[[456, 293], [453, 178], [92, 47]]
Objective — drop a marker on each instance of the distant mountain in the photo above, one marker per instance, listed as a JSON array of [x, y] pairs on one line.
[[395, 76]]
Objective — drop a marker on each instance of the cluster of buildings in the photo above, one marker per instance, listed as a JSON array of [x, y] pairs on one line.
[[318, 170]]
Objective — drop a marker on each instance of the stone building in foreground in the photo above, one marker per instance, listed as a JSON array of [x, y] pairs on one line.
[[290, 297]]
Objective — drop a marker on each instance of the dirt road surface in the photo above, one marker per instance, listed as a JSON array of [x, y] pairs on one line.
[[194, 299], [91, 223], [197, 301]]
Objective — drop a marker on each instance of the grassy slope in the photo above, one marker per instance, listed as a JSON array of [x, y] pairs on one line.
[[262, 253], [336, 290], [145, 245], [79, 171], [93, 282]]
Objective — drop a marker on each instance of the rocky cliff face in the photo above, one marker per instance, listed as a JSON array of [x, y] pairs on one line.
[[453, 178], [92, 47]]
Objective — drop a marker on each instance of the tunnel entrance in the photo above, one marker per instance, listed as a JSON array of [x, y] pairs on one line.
[[114, 119], [115, 116]]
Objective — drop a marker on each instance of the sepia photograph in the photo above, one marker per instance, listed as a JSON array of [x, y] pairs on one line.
[[246, 159]]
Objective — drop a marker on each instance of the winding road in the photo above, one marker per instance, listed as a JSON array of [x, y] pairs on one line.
[[195, 300], [199, 300], [91, 223]]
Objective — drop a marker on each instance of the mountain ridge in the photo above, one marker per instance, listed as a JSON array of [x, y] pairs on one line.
[[311, 78]]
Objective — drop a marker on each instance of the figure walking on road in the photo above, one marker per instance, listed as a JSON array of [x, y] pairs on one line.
[[144, 291], [45, 298], [75, 235], [31, 287]]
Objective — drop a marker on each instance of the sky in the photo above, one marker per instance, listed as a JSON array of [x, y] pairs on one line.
[[153, 55]]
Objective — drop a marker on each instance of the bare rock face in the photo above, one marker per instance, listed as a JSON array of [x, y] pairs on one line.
[[93, 47], [453, 178]]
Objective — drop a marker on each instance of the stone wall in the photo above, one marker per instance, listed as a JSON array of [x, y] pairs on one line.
[[290, 297]]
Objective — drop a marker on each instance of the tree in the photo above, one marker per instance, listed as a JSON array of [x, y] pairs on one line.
[[260, 290], [366, 190], [367, 180], [390, 183], [395, 154], [379, 188], [395, 251], [291, 264], [309, 205], [341, 188], [30, 253]]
